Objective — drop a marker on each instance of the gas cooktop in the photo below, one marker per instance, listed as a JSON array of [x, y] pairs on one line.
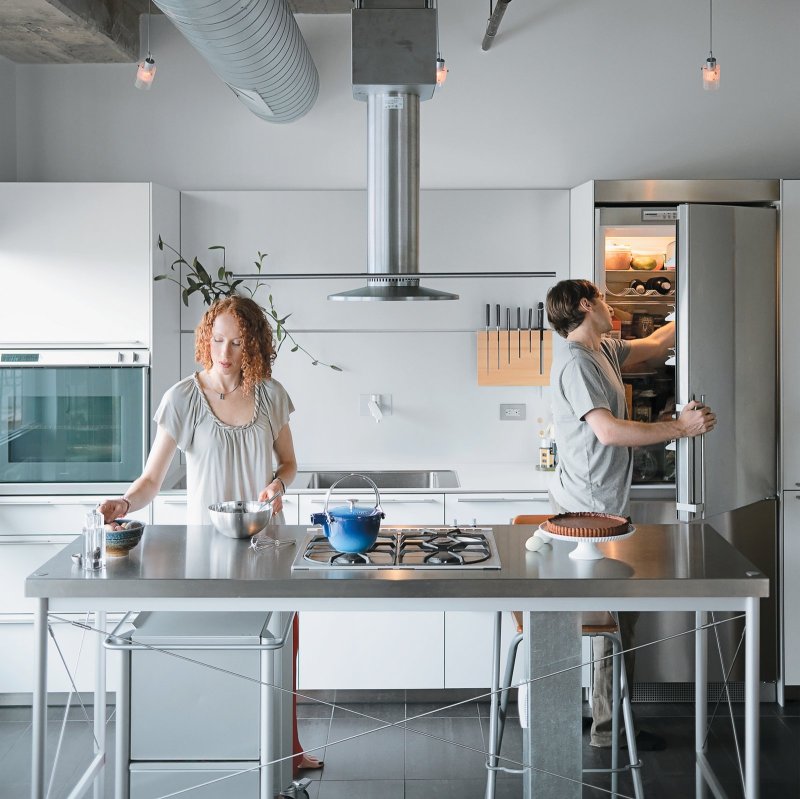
[[406, 548]]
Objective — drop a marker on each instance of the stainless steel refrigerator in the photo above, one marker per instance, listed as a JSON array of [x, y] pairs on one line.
[[704, 254]]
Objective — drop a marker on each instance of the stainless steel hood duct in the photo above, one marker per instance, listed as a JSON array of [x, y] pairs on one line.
[[394, 68], [256, 48]]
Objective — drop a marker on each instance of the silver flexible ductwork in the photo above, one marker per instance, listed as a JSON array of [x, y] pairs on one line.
[[256, 48], [394, 68]]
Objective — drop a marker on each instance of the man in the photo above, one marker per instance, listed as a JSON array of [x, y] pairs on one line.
[[595, 438]]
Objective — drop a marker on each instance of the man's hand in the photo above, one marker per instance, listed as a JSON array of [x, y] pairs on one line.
[[696, 419]]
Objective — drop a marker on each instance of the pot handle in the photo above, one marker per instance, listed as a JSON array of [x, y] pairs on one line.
[[363, 477]]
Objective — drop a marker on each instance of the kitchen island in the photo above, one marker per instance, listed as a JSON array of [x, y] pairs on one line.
[[660, 567]]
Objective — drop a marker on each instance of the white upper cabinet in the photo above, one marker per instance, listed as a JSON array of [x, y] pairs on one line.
[[84, 253], [790, 331]]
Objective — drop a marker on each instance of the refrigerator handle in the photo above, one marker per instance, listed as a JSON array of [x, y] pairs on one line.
[[693, 506]]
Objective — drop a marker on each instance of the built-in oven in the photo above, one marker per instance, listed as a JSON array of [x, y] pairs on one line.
[[72, 420]]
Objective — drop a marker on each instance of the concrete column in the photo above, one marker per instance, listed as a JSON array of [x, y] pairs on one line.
[[552, 741]]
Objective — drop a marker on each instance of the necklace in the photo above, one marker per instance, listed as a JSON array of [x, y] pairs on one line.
[[222, 396]]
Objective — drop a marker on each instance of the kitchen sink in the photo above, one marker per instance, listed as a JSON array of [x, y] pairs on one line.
[[385, 480]]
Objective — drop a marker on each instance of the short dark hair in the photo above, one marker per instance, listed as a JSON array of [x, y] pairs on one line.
[[564, 304]]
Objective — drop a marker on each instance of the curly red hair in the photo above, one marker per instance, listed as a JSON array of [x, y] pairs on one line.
[[258, 344]]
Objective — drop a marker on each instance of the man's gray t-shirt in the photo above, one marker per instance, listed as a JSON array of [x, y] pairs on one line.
[[590, 476]]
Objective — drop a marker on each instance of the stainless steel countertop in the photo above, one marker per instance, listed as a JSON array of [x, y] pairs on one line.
[[197, 562]]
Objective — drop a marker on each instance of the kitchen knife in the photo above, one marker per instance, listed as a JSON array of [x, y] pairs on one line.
[[508, 333], [497, 324], [488, 322], [519, 332], [540, 325], [530, 332]]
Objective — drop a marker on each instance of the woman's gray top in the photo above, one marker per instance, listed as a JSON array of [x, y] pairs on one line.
[[223, 462]]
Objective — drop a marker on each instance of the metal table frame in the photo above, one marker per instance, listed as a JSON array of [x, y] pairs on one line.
[[702, 575]]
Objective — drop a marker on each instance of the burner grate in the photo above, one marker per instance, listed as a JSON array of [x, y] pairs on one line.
[[408, 548]]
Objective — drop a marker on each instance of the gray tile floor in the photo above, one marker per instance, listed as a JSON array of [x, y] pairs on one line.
[[405, 764]]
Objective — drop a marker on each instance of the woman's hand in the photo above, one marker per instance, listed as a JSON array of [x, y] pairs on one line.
[[114, 509], [275, 487]]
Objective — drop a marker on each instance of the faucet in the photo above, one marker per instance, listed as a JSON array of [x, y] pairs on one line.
[[374, 406]]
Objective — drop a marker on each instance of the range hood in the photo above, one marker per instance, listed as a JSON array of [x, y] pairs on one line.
[[394, 69]]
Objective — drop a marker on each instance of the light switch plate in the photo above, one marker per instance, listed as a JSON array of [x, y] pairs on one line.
[[511, 412]]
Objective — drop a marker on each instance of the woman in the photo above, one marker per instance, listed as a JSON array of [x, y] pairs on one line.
[[228, 420]]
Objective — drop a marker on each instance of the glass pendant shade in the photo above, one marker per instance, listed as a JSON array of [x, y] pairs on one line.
[[710, 74], [145, 73]]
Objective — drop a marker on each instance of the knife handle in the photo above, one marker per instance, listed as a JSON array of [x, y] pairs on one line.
[[497, 316], [508, 319], [519, 318], [488, 314], [540, 316], [530, 318]]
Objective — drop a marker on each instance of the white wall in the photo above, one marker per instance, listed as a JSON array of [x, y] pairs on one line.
[[8, 121], [423, 354], [570, 91]]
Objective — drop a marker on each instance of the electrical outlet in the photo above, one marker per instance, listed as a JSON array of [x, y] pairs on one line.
[[515, 413]]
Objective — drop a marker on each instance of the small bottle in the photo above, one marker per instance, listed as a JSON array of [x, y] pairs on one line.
[[638, 286], [546, 454], [663, 285]]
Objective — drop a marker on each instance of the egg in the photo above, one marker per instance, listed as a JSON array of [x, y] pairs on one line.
[[534, 543]]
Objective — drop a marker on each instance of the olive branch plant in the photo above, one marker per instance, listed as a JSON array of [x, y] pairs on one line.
[[200, 280]]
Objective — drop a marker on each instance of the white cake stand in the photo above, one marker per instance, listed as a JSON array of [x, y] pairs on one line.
[[587, 547]]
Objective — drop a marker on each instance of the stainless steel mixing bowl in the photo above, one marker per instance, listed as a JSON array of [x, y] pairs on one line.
[[240, 518]]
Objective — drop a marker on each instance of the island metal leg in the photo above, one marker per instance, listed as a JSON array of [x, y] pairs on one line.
[[39, 699], [751, 699], [552, 742], [100, 706], [700, 699]]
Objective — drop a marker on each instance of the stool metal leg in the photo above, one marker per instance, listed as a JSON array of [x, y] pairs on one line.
[[491, 774], [615, 672], [630, 732]]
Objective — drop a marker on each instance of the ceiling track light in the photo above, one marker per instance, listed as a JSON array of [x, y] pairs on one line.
[[146, 70], [710, 68]]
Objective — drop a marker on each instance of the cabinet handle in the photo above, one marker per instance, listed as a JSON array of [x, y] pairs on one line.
[[176, 501], [495, 499], [392, 501]]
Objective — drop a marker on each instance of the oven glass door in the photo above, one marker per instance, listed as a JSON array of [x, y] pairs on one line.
[[72, 424]]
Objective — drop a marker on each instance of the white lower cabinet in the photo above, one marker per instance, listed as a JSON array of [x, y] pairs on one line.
[[489, 508], [374, 650], [32, 530], [791, 586], [154, 780], [399, 508], [172, 509], [469, 637]]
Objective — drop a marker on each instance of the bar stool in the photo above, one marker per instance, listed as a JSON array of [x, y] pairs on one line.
[[606, 627]]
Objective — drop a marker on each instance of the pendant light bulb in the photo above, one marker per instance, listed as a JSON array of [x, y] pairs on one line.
[[441, 71], [710, 69], [145, 73], [146, 70], [710, 74]]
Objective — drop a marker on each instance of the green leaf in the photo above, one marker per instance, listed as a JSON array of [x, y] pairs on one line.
[[270, 299], [335, 368], [160, 243], [221, 273], [314, 363], [295, 348], [160, 277], [216, 247], [201, 272], [186, 293], [236, 283]]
